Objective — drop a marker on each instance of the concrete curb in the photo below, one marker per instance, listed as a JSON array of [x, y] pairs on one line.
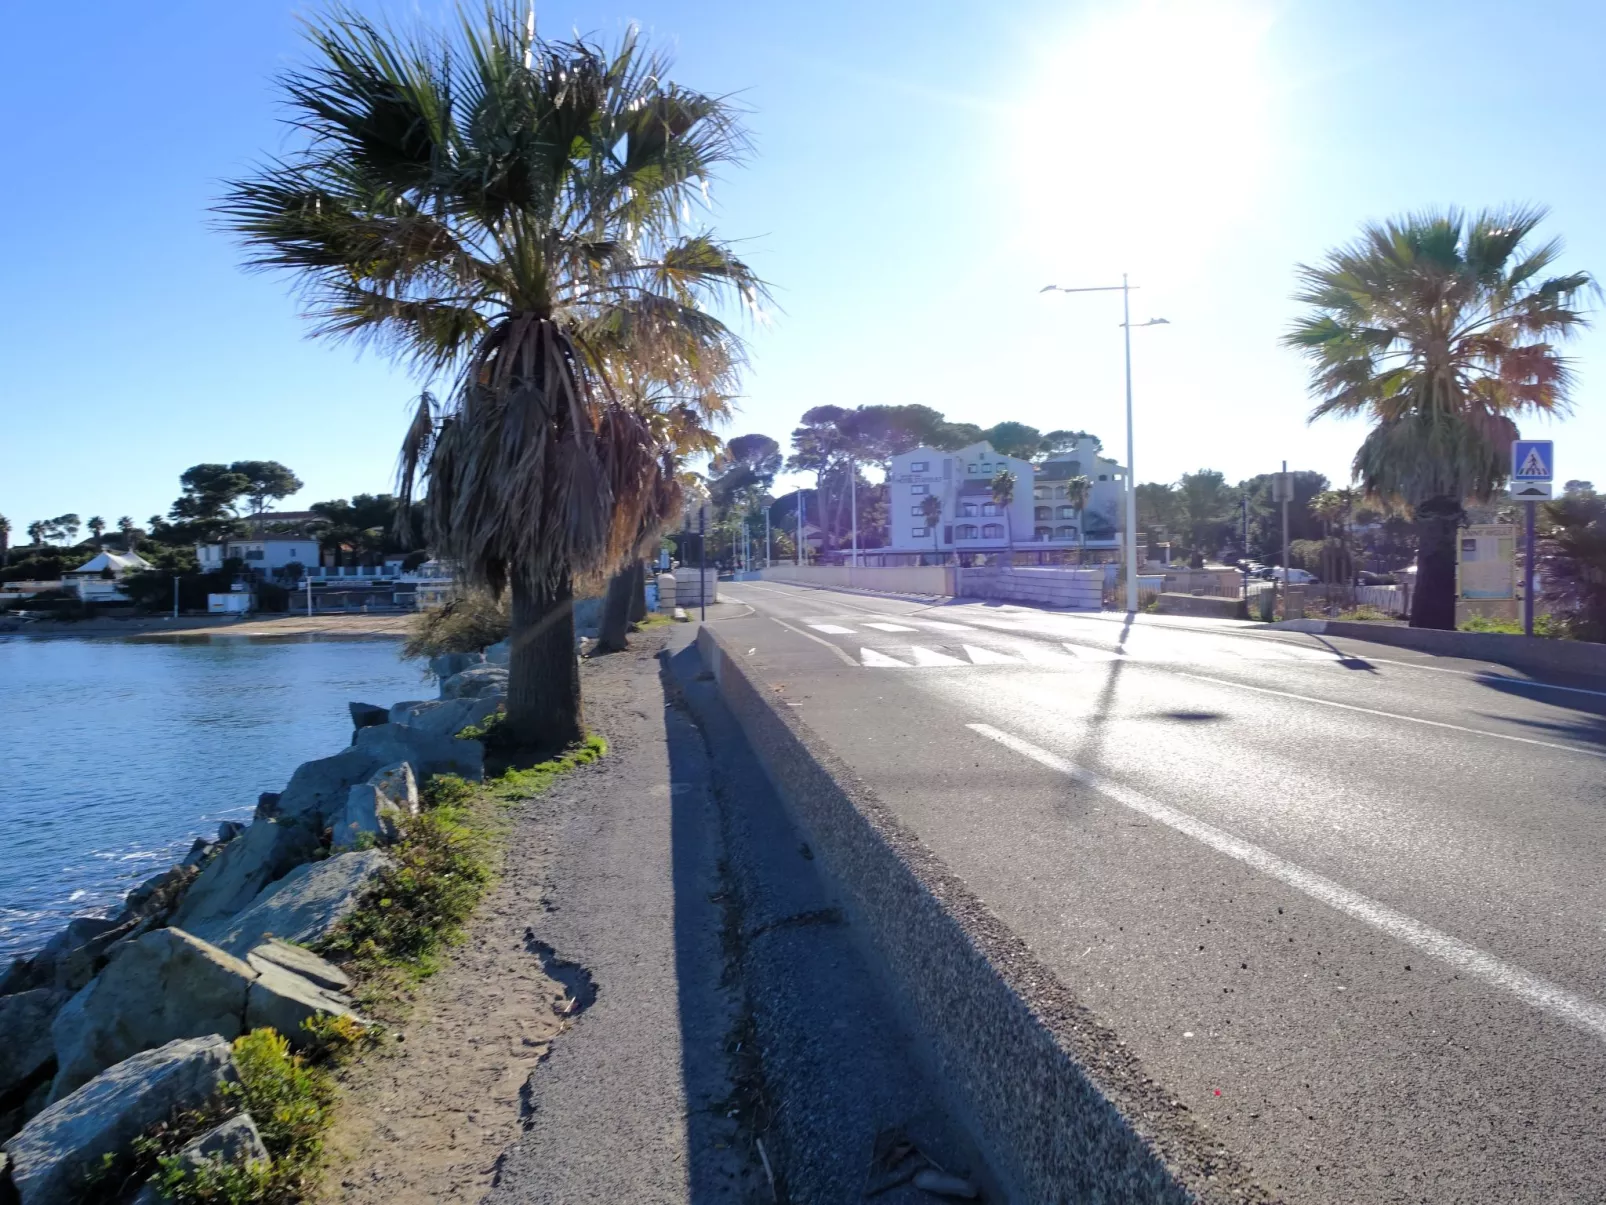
[[1040, 1082], [1530, 653]]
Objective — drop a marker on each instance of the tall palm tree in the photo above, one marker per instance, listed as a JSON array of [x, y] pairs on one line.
[[1003, 487], [1077, 491], [513, 211], [5, 540], [97, 528], [1439, 327], [126, 526], [931, 512]]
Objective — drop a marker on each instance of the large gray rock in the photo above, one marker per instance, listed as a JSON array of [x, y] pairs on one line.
[[164, 985], [429, 754], [448, 664], [54, 1153], [368, 814], [235, 1143], [302, 906], [500, 653], [365, 715], [26, 1049], [302, 961], [445, 717], [160, 894], [265, 852], [91, 933], [285, 1001], [398, 783], [318, 788], [475, 683]]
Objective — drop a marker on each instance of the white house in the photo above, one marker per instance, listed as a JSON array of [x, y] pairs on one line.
[[1038, 519], [267, 553], [98, 578]]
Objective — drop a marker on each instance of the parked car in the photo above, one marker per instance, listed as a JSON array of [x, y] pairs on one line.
[[1296, 577]]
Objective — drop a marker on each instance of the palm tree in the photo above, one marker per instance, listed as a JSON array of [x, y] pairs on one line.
[[931, 511], [5, 540], [1003, 487], [1077, 491], [512, 210], [1439, 327], [126, 526], [97, 527]]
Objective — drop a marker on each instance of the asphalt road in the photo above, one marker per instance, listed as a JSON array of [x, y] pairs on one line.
[[1347, 902]]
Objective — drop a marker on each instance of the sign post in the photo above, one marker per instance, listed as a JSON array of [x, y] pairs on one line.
[[1533, 470], [702, 560], [1282, 490]]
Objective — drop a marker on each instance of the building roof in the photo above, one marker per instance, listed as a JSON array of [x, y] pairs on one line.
[[118, 562]]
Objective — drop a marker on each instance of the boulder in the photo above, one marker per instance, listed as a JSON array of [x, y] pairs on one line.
[[366, 715], [367, 813], [54, 1154], [164, 985], [397, 783], [317, 789], [447, 664], [403, 712], [26, 1050], [158, 895], [302, 906], [447, 717], [500, 653], [429, 754], [267, 851], [283, 1000], [230, 829], [475, 682], [302, 961], [25, 974], [235, 1143]]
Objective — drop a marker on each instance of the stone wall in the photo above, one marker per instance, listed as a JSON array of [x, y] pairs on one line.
[[1074, 589]]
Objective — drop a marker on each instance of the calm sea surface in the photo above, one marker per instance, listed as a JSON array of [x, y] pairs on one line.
[[116, 754]]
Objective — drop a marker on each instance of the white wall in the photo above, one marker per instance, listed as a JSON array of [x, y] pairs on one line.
[[896, 579]]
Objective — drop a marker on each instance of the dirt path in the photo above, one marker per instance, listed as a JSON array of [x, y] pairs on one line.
[[429, 1118]]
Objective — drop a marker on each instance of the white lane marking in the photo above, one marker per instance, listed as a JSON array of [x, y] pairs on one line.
[[981, 656], [943, 626], [831, 629], [1468, 959], [875, 660], [840, 655], [925, 656], [1394, 715], [1036, 654], [1086, 653], [890, 627], [1475, 675]]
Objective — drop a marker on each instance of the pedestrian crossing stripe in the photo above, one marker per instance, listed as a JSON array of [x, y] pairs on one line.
[[831, 629], [891, 627]]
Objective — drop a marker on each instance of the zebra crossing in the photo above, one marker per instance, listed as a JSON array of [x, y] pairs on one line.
[[1042, 653]]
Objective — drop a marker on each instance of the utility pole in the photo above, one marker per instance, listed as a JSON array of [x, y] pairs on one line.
[[702, 558], [769, 540], [1244, 501], [853, 507], [798, 509], [175, 596], [1288, 493]]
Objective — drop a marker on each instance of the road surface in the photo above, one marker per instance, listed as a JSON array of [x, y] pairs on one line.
[[1346, 902]]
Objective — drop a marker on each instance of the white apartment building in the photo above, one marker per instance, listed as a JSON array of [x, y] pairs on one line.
[[1040, 518]]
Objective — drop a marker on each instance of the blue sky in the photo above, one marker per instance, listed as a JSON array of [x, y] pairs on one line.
[[921, 170]]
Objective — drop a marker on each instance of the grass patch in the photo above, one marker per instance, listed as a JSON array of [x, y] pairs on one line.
[[654, 620], [1547, 626], [1364, 614], [444, 862]]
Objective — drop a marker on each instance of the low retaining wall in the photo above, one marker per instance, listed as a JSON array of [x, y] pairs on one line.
[[1201, 604], [891, 579], [1077, 589], [1004, 1033], [1531, 653]]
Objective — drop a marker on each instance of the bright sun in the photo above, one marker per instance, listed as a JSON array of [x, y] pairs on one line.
[[1148, 132]]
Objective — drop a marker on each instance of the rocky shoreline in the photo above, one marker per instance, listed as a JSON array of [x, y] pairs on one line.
[[121, 1023]]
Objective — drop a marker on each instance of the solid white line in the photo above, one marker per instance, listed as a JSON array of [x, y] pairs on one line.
[[841, 656], [1394, 715], [1468, 959]]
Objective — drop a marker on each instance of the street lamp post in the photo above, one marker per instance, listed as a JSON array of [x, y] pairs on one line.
[[1125, 290]]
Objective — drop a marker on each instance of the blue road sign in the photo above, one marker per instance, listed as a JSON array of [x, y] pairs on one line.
[[1533, 460]]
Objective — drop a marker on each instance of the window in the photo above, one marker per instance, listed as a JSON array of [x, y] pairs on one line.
[[1059, 491], [1065, 533], [917, 532], [254, 554], [920, 466], [967, 509], [1104, 476], [988, 508], [993, 531], [917, 512], [1067, 512], [1043, 533], [919, 489], [966, 531], [970, 468], [1042, 512], [1040, 493]]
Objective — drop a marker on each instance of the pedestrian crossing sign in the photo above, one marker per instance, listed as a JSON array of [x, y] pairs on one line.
[[1533, 460]]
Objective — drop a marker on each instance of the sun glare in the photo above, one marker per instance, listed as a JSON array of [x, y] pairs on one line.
[[1148, 132]]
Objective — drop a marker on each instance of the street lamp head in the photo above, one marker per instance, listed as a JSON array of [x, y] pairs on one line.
[[1048, 288]]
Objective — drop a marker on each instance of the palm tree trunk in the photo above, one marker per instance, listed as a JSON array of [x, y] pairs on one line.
[[638, 591], [612, 632], [543, 697], [1438, 521]]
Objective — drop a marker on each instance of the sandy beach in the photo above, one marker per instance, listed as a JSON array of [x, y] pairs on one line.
[[162, 626]]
